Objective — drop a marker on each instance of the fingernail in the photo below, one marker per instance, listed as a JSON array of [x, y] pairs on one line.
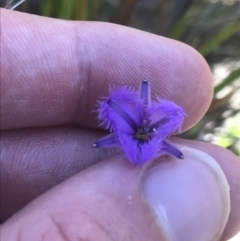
[[190, 197]]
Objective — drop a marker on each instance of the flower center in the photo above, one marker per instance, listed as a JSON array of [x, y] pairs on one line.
[[142, 132], [140, 135]]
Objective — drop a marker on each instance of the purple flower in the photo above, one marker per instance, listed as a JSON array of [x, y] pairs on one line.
[[138, 126]]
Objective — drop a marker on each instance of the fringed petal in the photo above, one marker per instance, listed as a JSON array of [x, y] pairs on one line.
[[166, 117], [137, 152], [122, 111]]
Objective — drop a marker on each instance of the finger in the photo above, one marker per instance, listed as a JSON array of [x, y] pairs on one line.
[[114, 200], [34, 160], [40, 159], [53, 71]]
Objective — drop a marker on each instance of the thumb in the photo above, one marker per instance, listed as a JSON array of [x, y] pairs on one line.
[[168, 199]]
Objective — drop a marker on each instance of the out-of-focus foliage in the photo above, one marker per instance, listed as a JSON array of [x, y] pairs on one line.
[[234, 75], [228, 136], [210, 26]]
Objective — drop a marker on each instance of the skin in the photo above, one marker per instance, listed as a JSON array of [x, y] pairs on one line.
[[52, 73]]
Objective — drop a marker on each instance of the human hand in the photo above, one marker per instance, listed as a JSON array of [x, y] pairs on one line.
[[52, 73]]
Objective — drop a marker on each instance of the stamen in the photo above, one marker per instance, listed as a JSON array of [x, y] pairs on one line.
[[145, 93], [107, 141], [123, 114], [168, 147], [159, 123]]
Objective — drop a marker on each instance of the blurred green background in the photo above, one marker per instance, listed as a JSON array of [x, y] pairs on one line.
[[210, 26]]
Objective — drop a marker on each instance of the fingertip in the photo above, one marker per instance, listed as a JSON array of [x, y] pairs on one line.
[[230, 165]]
